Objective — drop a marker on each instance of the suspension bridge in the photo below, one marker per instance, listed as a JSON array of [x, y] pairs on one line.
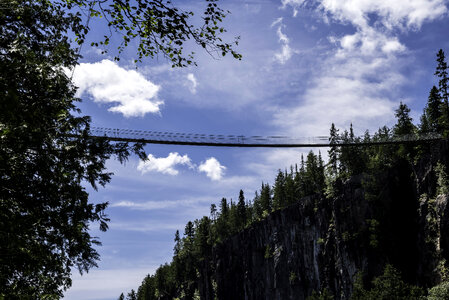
[[195, 139]]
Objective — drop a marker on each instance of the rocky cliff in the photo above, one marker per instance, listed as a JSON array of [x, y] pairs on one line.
[[318, 243]]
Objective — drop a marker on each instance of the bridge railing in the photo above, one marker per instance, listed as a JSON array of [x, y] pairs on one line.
[[165, 137]]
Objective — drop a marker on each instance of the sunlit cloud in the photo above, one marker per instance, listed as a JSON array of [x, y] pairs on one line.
[[359, 79], [192, 82], [130, 93], [213, 169], [286, 51], [164, 165]]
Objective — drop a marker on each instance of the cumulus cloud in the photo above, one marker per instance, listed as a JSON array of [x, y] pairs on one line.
[[164, 165], [192, 82], [286, 51], [399, 13], [390, 14], [213, 169], [375, 21], [129, 91]]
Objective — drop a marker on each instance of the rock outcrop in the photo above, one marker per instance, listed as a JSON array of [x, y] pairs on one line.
[[323, 242]]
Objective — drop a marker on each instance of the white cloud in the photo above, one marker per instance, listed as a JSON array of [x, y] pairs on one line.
[[359, 82], [192, 82], [353, 88], [293, 3], [276, 22], [408, 14], [213, 169], [132, 94], [164, 165], [286, 51], [369, 43]]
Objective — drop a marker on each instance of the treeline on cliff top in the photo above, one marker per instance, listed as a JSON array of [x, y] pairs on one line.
[[179, 279]]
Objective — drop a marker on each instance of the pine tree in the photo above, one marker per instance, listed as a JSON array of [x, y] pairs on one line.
[[223, 220], [441, 72], [132, 295], [355, 159], [241, 211], [433, 111], [202, 238], [213, 211], [189, 230], [290, 192], [279, 191], [312, 176], [265, 198], [424, 126], [300, 184], [333, 152], [321, 176], [257, 207], [404, 125], [345, 156], [224, 208], [178, 244]]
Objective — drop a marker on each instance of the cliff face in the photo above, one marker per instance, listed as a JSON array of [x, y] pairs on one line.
[[321, 243]]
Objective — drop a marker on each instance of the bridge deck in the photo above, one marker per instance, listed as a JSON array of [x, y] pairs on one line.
[[170, 138]]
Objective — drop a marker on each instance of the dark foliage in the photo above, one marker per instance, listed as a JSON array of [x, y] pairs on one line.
[[46, 155]]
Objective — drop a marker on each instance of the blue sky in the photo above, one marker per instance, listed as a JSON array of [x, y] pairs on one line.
[[305, 65]]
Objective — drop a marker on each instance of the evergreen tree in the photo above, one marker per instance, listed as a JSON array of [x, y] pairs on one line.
[[300, 182], [290, 189], [189, 230], [165, 282], [213, 211], [241, 211], [224, 208], [314, 177], [178, 244], [404, 125], [382, 156], [321, 173], [147, 290], [121, 297], [433, 111], [424, 126], [279, 197], [233, 221], [344, 156], [333, 152], [132, 295], [222, 226], [257, 207], [265, 199], [202, 238], [441, 72], [356, 158]]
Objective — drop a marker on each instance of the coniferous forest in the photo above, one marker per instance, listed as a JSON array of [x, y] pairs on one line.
[[313, 177]]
